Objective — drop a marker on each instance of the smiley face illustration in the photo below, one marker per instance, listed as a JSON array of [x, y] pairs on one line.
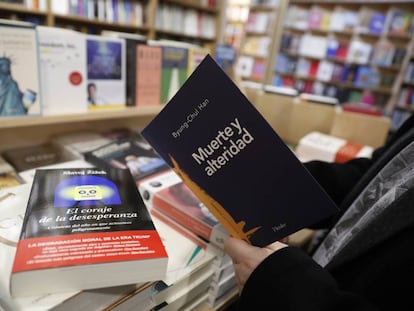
[[88, 192]]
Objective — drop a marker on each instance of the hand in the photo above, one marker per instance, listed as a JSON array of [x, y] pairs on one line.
[[247, 257]]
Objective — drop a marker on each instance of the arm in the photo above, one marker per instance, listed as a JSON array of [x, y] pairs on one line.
[[278, 277], [338, 178]]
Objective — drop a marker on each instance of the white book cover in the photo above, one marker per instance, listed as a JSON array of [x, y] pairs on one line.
[[244, 66], [63, 70], [324, 147], [325, 70], [20, 93], [359, 52], [313, 46], [106, 78]]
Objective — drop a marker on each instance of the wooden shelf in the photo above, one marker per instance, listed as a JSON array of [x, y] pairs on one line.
[[109, 114]]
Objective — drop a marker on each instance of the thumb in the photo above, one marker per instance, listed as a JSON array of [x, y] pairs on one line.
[[237, 248]]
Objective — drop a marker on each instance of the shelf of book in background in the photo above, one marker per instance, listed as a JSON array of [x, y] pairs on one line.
[[260, 40], [360, 44]]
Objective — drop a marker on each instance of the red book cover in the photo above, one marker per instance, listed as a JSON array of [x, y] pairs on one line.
[[83, 229], [148, 75], [179, 203], [313, 68]]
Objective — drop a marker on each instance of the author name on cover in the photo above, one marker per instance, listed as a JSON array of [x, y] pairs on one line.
[[190, 118]]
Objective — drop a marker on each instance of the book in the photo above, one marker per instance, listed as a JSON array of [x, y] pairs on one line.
[[328, 148], [79, 142], [85, 220], [241, 151], [63, 70], [189, 260], [13, 202], [148, 75], [174, 68], [106, 72], [133, 154], [131, 43], [8, 176], [30, 157], [183, 206], [19, 75]]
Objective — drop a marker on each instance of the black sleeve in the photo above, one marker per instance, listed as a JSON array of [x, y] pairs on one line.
[[338, 178], [290, 280]]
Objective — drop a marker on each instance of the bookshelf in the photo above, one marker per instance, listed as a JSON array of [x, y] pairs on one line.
[[197, 21], [261, 40], [24, 131], [351, 50]]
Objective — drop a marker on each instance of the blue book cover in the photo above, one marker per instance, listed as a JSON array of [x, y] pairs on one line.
[[233, 160]]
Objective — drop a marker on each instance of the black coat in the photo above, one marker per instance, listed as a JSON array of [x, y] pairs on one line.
[[375, 278]]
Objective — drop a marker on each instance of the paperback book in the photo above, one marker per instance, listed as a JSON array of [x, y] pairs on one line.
[[63, 70], [133, 154], [85, 220], [234, 162], [19, 73], [13, 202], [30, 157], [106, 72]]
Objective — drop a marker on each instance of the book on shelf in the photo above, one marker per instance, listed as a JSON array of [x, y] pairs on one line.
[[131, 47], [239, 151], [148, 75], [13, 202], [324, 147], [400, 22], [32, 156], [244, 66], [196, 54], [19, 75], [133, 154], [226, 56], [106, 72], [79, 142], [62, 70], [85, 219], [174, 66], [359, 52]]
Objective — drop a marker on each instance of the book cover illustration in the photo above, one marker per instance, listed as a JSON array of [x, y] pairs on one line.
[[134, 154], [106, 82], [85, 218], [174, 70], [19, 70], [233, 161]]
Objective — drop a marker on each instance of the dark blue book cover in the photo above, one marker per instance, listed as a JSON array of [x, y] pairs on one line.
[[233, 161]]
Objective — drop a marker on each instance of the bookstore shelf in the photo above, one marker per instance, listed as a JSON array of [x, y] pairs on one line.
[[362, 51], [76, 16], [109, 114], [261, 39], [22, 131]]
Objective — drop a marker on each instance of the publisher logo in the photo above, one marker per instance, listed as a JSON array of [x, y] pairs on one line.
[[75, 78]]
